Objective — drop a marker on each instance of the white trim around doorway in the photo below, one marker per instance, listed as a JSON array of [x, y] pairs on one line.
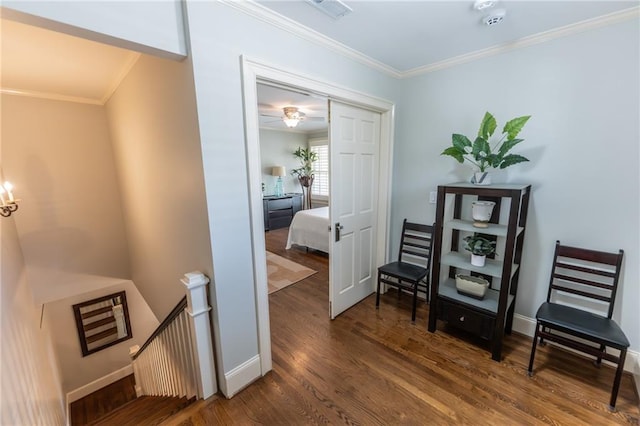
[[254, 71]]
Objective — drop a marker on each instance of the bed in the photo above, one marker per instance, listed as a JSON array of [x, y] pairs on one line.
[[310, 228]]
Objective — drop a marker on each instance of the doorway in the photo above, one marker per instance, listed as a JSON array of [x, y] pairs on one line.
[[254, 72]]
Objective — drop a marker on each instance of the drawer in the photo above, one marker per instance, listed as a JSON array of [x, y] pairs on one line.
[[274, 214], [466, 319], [280, 222], [283, 203]]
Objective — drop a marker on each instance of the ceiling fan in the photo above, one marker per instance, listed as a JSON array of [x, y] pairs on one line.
[[292, 116]]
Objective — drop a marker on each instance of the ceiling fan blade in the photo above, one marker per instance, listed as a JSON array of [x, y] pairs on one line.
[[315, 119]]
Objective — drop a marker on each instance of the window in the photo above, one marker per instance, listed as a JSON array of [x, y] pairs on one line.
[[320, 188]]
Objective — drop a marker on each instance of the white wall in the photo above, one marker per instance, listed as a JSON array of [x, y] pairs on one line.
[[582, 140], [154, 131], [219, 35], [276, 149], [155, 27], [78, 371], [59, 157], [31, 392]]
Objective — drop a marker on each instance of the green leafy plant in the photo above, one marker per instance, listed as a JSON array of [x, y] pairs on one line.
[[478, 245], [481, 153], [306, 157]]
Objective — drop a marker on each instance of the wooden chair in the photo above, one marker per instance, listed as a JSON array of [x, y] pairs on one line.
[[592, 278], [411, 271]]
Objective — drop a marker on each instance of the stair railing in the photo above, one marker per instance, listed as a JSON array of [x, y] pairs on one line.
[[177, 359]]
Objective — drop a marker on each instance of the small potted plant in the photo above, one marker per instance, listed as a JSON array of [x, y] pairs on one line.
[[484, 154], [479, 247]]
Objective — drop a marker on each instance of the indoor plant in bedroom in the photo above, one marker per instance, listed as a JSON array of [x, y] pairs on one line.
[[485, 154], [304, 173], [479, 247]]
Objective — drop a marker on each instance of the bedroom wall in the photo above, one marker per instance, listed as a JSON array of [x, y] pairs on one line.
[[153, 123], [276, 149], [31, 392], [582, 140]]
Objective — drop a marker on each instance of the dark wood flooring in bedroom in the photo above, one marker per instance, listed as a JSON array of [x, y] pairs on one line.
[[373, 367]]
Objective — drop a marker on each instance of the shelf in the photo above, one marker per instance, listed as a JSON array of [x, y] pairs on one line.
[[489, 304], [498, 186], [491, 267], [491, 317], [465, 225]]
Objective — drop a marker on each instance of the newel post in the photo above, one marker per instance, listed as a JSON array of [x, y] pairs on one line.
[[198, 309]]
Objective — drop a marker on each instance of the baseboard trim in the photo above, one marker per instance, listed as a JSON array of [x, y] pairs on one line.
[[242, 376], [527, 326], [98, 384]]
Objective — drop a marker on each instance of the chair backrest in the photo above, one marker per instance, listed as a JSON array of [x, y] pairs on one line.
[[415, 244], [589, 275]]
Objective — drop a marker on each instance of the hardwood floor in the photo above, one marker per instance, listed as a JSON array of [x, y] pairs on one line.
[[103, 401], [373, 367]]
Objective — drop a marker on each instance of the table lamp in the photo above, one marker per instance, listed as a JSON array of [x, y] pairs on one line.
[[279, 171]]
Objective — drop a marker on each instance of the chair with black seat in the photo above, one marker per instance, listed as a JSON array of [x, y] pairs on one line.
[[411, 271], [589, 278]]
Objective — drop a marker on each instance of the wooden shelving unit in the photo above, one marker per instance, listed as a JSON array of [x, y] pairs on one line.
[[491, 317]]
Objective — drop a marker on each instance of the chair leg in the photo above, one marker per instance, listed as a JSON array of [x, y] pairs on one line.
[[415, 301], [533, 352], [378, 291], [598, 361], [616, 381]]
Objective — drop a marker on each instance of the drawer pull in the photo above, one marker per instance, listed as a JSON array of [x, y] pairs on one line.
[[462, 318]]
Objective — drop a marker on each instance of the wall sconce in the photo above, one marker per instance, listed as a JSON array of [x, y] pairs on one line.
[[8, 206]]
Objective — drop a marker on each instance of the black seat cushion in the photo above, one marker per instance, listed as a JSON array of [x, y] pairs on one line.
[[403, 270], [582, 323]]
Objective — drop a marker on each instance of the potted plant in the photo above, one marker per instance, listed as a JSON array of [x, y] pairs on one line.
[[479, 247], [304, 173], [484, 154]]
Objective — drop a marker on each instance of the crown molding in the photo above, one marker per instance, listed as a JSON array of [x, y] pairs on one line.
[[124, 71], [567, 30], [265, 14], [51, 96]]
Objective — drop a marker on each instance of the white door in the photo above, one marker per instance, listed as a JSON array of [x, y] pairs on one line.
[[353, 170]]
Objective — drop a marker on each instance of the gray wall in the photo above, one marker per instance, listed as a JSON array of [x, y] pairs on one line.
[[276, 149], [219, 35], [582, 140]]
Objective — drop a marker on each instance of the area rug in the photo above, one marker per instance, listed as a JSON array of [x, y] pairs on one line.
[[284, 272]]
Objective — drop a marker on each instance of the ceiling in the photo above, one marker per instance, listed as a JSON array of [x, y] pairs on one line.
[[272, 100], [397, 36]]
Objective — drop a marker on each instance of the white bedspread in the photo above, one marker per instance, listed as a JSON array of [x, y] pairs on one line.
[[310, 228]]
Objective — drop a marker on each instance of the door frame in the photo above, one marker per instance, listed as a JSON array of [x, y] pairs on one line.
[[253, 72]]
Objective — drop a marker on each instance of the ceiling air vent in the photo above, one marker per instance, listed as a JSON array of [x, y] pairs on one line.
[[495, 17], [334, 8]]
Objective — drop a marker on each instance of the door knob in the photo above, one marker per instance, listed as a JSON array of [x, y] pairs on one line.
[[338, 228]]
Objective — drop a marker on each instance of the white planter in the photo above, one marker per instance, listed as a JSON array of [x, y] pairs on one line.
[[481, 212], [481, 178], [478, 260]]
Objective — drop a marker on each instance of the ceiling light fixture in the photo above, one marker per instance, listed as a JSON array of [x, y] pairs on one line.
[[334, 8], [292, 116], [496, 17]]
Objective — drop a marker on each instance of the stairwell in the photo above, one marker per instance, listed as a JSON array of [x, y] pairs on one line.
[[145, 410], [117, 404]]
